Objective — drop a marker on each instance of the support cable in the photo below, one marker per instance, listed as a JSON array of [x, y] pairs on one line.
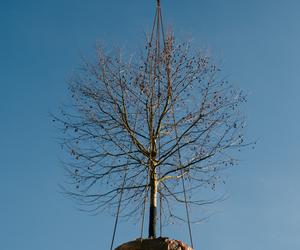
[[146, 68], [121, 197], [182, 179], [158, 24], [118, 210]]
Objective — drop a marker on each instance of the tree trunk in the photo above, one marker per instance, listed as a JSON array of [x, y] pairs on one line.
[[153, 205]]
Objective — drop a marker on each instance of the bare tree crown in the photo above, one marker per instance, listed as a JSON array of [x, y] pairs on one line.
[[165, 116]]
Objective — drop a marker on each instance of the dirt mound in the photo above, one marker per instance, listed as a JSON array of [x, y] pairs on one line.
[[154, 244]]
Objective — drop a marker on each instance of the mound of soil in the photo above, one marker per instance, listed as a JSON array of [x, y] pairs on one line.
[[154, 244]]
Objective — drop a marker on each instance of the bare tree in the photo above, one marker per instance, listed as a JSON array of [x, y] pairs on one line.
[[151, 128]]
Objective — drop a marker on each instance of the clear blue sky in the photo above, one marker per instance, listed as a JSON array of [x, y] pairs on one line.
[[258, 42]]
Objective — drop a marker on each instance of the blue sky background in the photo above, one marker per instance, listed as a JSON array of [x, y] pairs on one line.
[[258, 42]]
